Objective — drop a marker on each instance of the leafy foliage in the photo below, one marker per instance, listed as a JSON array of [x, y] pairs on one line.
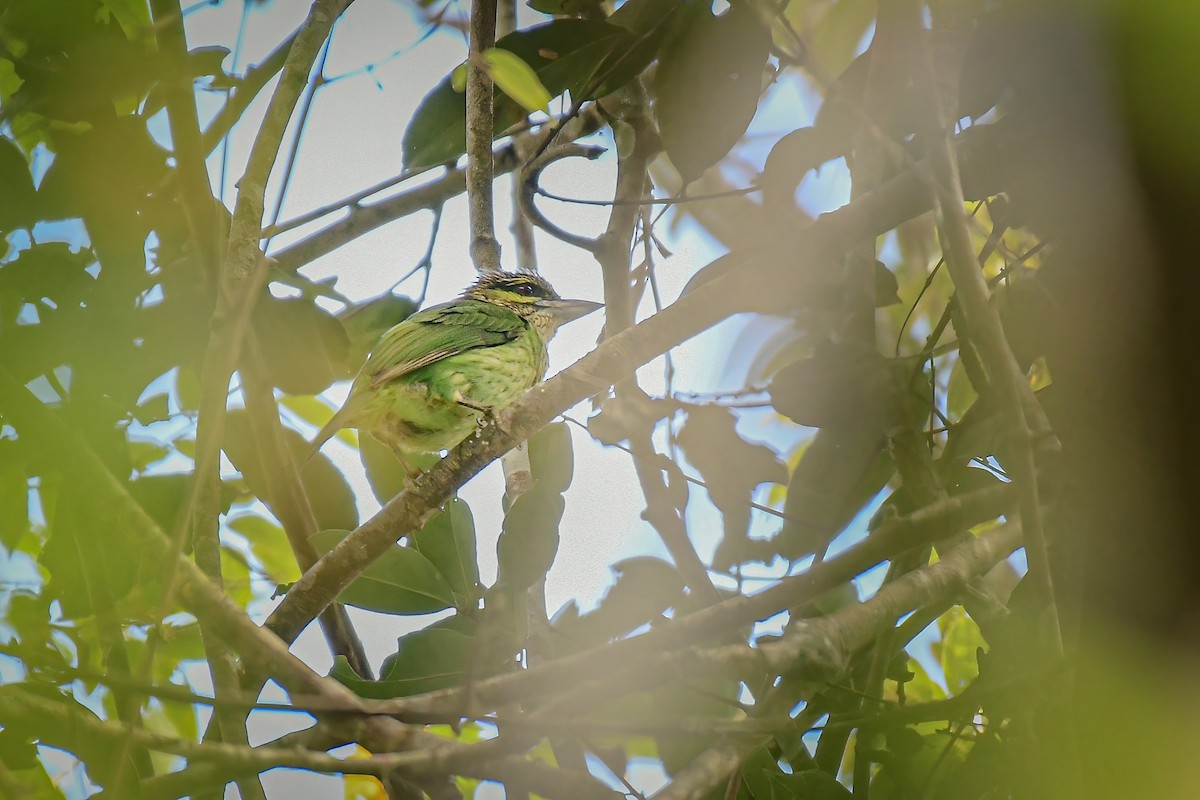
[[848, 625]]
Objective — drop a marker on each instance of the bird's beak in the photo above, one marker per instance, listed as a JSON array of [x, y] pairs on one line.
[[565, 311]]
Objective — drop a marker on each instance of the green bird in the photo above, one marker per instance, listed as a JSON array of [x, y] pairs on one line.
[[430, 379]]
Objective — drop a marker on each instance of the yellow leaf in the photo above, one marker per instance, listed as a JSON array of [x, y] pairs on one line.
[[517, 79], [362, 787]]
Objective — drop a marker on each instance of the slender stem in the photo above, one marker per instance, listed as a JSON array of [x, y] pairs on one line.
[[485, 249]]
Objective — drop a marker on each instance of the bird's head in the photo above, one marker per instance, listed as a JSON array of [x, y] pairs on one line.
[[532, 298]]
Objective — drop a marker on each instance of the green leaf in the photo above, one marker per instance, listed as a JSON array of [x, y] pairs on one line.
[[708, 84], [552, 457], [385, 473], [448, 541], [517, 79], [589, 58], [528, 539], [401, 581], [365, 322], [332, 500], [303, 346], [433, 658], [270, 547]]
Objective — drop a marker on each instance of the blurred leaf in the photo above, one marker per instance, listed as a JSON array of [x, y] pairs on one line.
[[959, 649], [645, 587], [183, 719], [316, 413], [14, 503], [235, 575], [837, 30], [385, 472], [708, 83], [960, 394], [93, 559], [517, 79], [528, 539], [270, 547], [565, 55], [103, 757], [142, 453], [155, 408], [104, 173], [566, 8], [837, 386], [303, 346], [730, 466], [793, 157], [448, 541], [17, 209], [365, 322], [49, 269], [401, 581], [552, 457], [840, 471], [332, 500]]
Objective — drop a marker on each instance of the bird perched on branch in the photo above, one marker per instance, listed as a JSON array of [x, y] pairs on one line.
[[430, 379]]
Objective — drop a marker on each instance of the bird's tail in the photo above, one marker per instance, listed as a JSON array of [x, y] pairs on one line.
[[342, 419]]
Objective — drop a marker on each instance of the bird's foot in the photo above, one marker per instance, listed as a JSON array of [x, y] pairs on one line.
[[486, 414]]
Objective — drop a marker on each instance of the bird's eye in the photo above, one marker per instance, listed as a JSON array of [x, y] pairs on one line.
[[524, 289]]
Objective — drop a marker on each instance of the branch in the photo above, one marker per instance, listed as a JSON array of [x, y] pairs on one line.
[[823, 644], [485, 249], [251, 84], [362, 219], [628, 657], [704, 305], [528, 188], [1020, 408]]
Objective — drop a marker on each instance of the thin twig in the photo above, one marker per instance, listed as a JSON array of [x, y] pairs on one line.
[[485, 249]]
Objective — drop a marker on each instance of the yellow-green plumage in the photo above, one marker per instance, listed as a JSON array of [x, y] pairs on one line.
[[430, 378]]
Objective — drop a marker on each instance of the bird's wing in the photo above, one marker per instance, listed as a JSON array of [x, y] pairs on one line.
[[440, 332]]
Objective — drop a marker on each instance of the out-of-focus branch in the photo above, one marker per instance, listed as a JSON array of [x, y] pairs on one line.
[[1018, 405], [823, 644], [626, 659]]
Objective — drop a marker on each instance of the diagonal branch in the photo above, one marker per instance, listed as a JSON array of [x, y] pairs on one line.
[[776, 265], [1020, 409]]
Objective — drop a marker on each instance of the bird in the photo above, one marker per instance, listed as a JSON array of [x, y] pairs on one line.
[[431, 380]]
